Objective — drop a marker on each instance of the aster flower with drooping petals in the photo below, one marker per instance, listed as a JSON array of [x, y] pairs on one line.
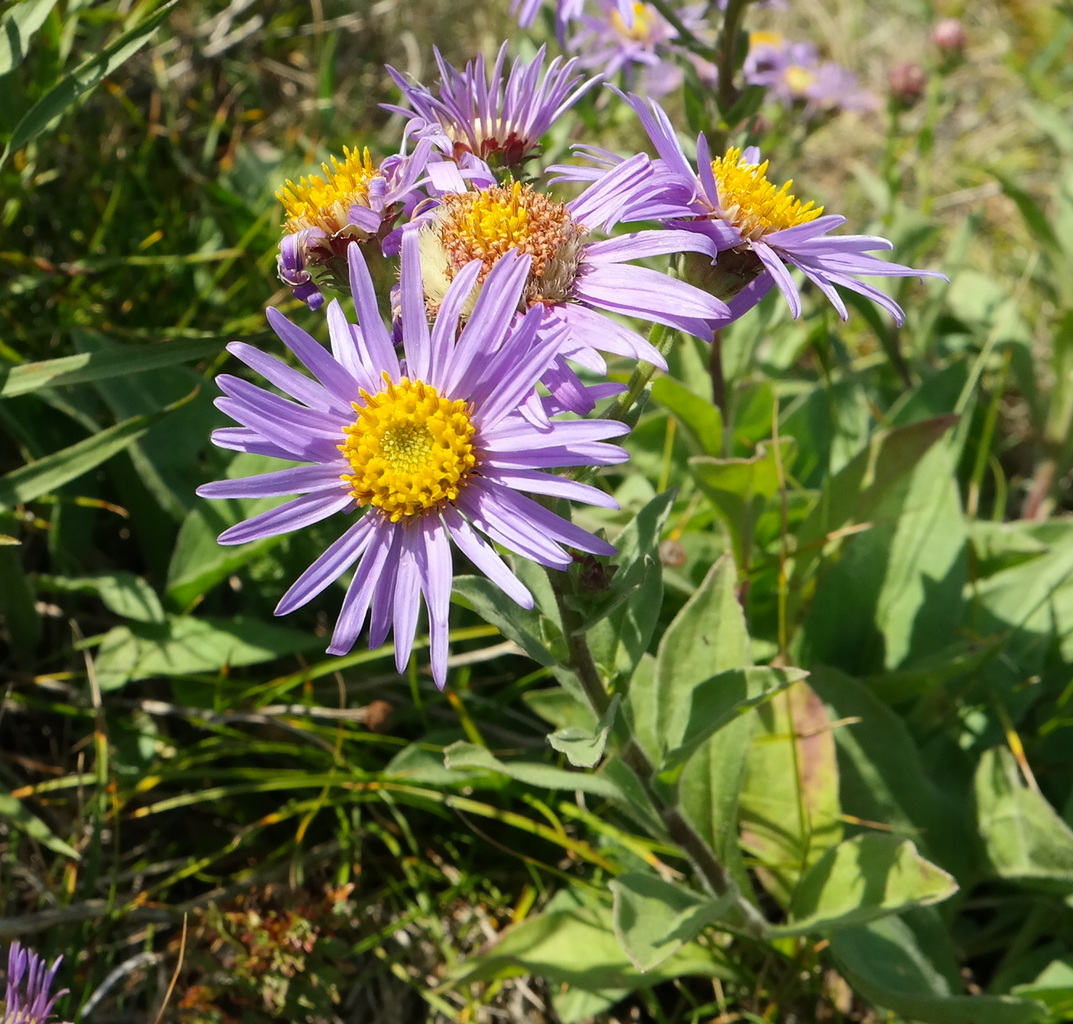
[[433, 448], [355, 200], [731, 200], [574, 281], [499, 117], [27, 999]]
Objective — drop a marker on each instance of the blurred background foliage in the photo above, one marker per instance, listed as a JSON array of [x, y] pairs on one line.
[[191, 792]]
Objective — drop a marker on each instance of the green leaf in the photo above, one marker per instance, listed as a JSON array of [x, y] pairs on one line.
[[572, 943], [895, 595], [707, 636], [526, 627], [790, 809], [701, 419], [17, 28], [584, 747], [182, 645], [741, 489], [1054, 988], [541, 776], [81, 80], [718, 701], [851, 496], [654, 918], [123, 593], [885, 963], [199, 562], [18, 610], [861, 879], [16, 812], [123, 361], [882, 777], [53, 471], [1024, 837], [620, 635]]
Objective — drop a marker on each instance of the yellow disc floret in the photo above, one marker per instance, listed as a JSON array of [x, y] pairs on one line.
[[487, 224], [641, 30], [752, 203], [325, 202], [410, 450]]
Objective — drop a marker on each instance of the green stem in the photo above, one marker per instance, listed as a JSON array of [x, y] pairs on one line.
[[711, 872]]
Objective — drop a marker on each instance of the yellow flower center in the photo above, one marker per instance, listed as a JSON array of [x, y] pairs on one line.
[[798, 79], [752, 203], [772, 39], [411, 450], [640, 31], [325, 202], [486, 225]]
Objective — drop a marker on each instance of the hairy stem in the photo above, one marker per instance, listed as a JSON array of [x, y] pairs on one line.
[[710, 871]]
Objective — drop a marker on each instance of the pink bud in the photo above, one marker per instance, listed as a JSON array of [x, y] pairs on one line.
[[949, 35]]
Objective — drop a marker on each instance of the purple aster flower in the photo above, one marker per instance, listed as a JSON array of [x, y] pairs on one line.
[[574, 282], [502, 115], [566, 11], [638, 47], [354, 201], [26, 998], [731, 201], [794, 74], [438, 446]]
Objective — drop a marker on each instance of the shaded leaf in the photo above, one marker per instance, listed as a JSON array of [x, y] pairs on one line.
[[123, 593], [182, 645], [1023, 835], [885, 963], [584, 747], [21, 818], [654, 918]]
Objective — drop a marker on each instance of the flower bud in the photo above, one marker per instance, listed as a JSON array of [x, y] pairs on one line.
[[906, 81], [949, 36]]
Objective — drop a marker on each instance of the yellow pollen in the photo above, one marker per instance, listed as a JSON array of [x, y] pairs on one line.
[[411, 451], [772, 39], [752, 203], [325, 202], [487, 224], [643, 17]]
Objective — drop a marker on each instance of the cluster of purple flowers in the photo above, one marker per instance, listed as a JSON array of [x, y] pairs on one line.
[[437, 427]]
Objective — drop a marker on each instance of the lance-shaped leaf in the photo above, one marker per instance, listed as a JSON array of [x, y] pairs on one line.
[[542, 776], [861, 879], [850, 497], [526, 627], [701, 419], [790, 810]]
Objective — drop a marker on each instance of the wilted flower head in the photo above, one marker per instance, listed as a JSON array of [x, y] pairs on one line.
[[730, 199], [499, 117], [354, 201], [574, 280], [26, 998], [434, 447]]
